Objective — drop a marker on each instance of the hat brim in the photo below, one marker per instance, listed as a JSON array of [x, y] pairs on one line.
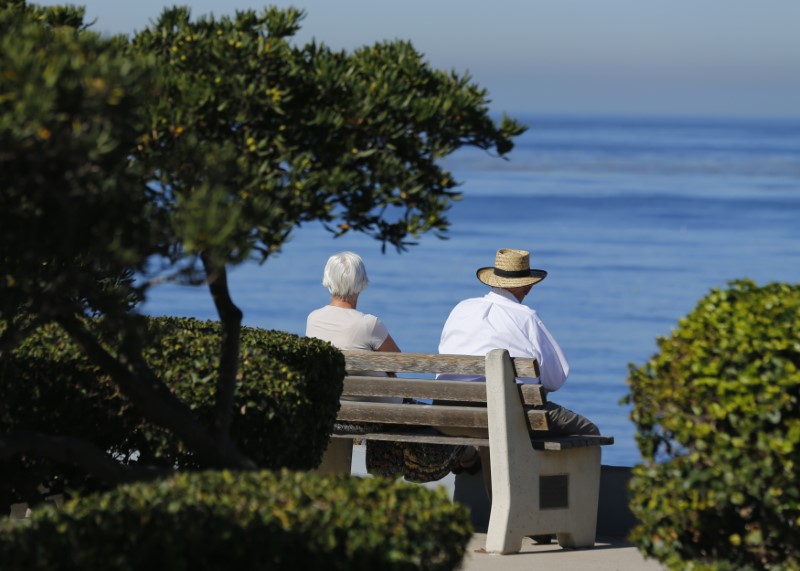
[[487, 276]]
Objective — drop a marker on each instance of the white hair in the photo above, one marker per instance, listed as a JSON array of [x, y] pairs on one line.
[[345, 275]]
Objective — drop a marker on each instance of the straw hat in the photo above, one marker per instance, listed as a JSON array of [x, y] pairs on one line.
[[511, 269]]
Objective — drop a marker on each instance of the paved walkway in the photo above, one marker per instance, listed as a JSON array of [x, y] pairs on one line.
[[608, 554]]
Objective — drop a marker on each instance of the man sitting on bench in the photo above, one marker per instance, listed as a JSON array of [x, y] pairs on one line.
[[499, 320]]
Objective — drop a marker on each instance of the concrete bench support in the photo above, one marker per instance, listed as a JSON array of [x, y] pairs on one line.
[[520, 474]]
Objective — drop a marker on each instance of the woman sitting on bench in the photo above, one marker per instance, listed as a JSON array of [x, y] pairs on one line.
[[346, 328]]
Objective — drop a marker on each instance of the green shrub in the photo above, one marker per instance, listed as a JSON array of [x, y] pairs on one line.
[[251, 520], [718, 419], [46, 386], [285, 406], [286, 401]]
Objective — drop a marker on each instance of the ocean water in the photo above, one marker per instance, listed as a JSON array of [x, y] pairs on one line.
[[634, 219]]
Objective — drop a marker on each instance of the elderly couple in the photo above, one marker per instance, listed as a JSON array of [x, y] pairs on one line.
[[474, 327]]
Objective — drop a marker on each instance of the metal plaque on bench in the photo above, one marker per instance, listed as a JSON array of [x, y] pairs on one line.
[[553, 492]]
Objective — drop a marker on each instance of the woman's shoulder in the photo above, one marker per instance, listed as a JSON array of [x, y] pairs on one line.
[[369, 318]]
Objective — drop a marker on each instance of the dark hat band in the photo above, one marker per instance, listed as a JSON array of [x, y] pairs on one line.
[[514, 274]]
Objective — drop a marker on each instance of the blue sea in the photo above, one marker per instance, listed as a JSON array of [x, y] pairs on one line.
[[635, 219]]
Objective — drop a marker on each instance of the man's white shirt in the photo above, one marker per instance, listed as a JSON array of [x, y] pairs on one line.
[[499, 321]]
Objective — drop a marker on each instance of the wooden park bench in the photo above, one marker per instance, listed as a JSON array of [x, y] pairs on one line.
[[540, 484]]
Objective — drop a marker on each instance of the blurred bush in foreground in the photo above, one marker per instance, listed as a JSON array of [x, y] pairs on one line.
[[718, 418]]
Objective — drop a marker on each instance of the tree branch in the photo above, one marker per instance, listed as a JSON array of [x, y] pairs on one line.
[[156, 402], [231, 319], [78, 452]]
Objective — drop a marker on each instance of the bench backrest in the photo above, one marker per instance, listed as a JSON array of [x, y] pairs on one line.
[[468, 398]]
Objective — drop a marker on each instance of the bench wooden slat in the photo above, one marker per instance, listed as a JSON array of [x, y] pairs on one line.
[[430, 389], [427, 415], [423, 363], [554, 443], [411, 437]]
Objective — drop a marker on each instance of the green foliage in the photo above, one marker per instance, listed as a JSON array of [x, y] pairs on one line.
[[718, 419], [253, 136], [287, 396], [74, 215], [195, 145], [71, 16], [252, 520], [47, 386], [286, 400]]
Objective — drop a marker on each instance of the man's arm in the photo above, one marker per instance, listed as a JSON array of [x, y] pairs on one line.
[[553, 365]]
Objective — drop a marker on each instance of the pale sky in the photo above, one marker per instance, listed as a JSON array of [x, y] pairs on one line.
[[642, 57]]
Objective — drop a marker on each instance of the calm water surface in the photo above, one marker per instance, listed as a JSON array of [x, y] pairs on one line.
[[635, 221]]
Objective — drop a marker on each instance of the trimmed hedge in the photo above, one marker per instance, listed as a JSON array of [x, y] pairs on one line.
[[285, 406], [249, 520], [286, 402], [718, 419]]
